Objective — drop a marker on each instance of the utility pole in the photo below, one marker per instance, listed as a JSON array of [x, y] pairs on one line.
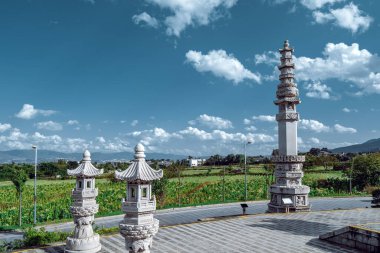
[[35, 186], [224, 189], [245, 170], [179, 187], [352, 168]]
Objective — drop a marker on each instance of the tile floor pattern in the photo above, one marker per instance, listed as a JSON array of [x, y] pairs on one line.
[[297, 232]]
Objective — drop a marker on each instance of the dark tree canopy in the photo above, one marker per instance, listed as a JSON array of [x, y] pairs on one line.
[[366, 170]]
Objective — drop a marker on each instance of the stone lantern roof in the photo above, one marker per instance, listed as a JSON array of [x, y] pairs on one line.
[[85, 169], [139, 169]]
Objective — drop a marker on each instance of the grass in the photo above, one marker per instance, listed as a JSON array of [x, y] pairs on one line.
[[211, 179], [217, 178]]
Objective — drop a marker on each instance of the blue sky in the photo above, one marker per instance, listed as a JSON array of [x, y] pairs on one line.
[[184, 77]]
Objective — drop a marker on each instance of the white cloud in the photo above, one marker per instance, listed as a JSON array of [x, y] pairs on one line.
[[28, 112], [346, 63], [313, 125], [269, 58], [201, 134], [246, 121], [314, 140], [49, 125], [72, 122], [318, 90], [348, 17], [263, 138], [52, 139], [316, 4], [348, 110], [221, 64], [18, 140], [152, 137], [146, 18], [343, 129], [5, 127], [134, 122], [115, 145], [222, 136], [228, 137], [212, 122], [267, 118], [251, 128], [76, 144], [187, 141], [194, 12], [17, 135], [299, 140], [101, 139]]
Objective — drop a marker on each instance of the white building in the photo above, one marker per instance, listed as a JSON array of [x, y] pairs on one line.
[[196, 162]]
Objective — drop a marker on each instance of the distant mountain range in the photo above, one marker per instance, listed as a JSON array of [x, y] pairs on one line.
[[368, 146], [27, 156]]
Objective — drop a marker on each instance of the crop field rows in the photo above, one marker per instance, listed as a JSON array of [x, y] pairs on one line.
[[54, 199]]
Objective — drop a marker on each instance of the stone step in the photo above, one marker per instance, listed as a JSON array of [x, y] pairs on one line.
[[363, 237]]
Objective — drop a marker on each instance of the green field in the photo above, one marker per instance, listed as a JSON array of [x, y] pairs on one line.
[[54, 196]]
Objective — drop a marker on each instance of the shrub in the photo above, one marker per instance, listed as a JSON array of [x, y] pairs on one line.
[[366, 170], [41, 237], [376, 193]]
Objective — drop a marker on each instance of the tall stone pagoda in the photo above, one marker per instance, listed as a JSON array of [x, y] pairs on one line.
[[288, 193], [138, 226], [84, 208]]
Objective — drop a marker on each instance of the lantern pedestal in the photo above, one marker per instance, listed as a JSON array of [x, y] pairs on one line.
[[139, 238]]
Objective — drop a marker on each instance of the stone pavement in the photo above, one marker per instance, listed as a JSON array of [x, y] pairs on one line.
[[187, 215], [296, 232]]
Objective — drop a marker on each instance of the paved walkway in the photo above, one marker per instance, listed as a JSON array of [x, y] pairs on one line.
[[187, 215], [297, 232]]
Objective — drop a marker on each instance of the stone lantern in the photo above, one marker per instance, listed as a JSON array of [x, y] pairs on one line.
[[84, 208], [138, 226]]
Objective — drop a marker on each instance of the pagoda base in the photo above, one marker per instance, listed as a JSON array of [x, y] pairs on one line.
[[285, 209], [84, 245], [139, 238], [289, 199]]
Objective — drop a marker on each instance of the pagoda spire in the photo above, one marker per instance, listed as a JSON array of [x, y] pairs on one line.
[[288, 193]]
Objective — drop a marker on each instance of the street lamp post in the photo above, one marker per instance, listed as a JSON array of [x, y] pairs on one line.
[[35, 185], [245, 170], [352, 168]]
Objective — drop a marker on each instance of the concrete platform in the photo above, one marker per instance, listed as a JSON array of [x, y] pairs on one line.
[[295, 232], [364, 237]]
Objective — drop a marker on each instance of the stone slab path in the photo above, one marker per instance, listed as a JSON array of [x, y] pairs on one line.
[[297, 232]]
